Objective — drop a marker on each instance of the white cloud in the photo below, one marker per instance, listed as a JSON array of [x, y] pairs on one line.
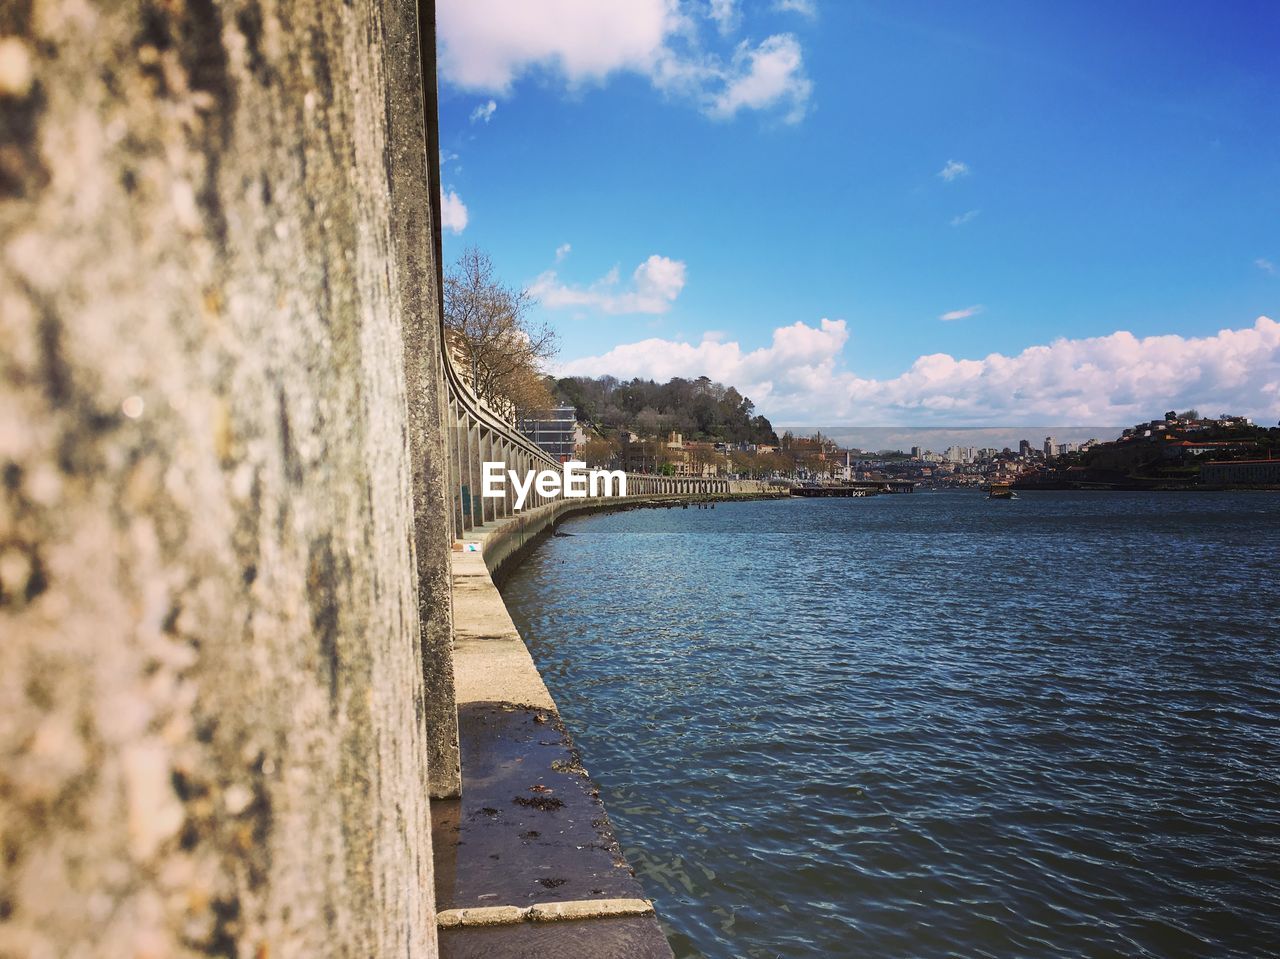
[[964, 314], [953, 170], [1265, 265], [486, 45], [562, 251], [655, 284], [484, 111], [725, 14], [772, 73], [806, 8], [964, 218], [1119, 378], [453, 212]]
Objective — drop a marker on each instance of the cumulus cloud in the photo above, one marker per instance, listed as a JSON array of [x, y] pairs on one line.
[[655, 284], [772, 73], [954, 170], [562, 251], [964, 314], [964, 218], [453, 212], [484, 111], [486, 45], [1265, 265], [1119, 378]]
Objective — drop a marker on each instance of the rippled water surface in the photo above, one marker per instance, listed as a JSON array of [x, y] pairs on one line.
[[931, 725]]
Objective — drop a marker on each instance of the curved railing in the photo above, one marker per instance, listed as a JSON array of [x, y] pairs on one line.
[[475, 434]]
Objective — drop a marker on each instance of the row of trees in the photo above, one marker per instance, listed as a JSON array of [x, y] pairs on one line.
[[606, 451], [755, 464]]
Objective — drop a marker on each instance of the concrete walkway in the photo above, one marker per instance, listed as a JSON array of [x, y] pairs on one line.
[[526, 863]]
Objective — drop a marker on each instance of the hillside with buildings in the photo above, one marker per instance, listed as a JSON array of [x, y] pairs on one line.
[[1175, 451], [669, 434]]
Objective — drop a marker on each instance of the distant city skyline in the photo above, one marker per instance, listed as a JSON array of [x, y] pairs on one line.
[[937, 440], [873, 212]]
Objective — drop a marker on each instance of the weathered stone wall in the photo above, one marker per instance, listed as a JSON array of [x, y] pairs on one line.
[[211, 669]]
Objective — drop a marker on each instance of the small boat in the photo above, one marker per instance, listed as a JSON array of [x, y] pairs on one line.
[[1001, 491]]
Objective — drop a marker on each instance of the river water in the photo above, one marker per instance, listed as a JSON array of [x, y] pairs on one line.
[[931, 724]]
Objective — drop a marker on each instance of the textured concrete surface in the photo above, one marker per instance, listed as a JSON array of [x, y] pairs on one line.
[[638, 938], [211, 676], [416, 256], [491, 661], [530, 827], [530, 832]]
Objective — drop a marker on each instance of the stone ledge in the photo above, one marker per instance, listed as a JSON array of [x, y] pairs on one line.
[[544, 912]]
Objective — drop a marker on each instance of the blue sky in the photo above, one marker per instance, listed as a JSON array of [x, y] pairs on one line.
[[1089, 191]]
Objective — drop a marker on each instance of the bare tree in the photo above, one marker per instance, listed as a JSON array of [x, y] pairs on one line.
[[505, 349], [702, 456], [600, 452], [525, 389], [744, 462], [649, 422]]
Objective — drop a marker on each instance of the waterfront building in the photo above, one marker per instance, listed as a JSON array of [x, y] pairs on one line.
[[554, 430], [637, 455], [1048, 447], [677, 454], [1260, 472]]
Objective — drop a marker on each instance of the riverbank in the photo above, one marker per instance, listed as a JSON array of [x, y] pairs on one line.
[[526, 861]]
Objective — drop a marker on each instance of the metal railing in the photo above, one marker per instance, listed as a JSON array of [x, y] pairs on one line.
[[475, 434]]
